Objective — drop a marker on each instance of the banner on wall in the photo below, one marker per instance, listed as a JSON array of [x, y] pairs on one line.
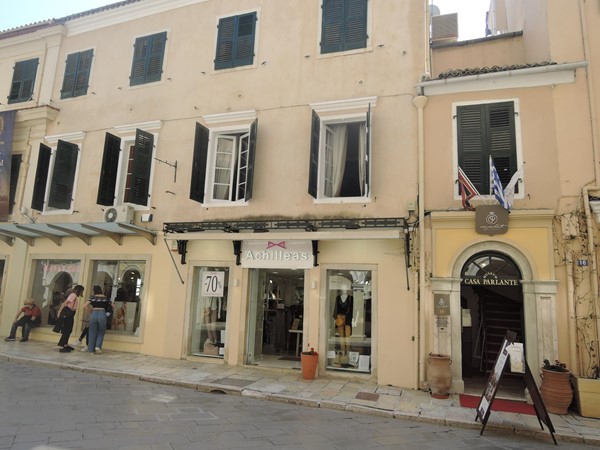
[[7, 125], [277, 253]]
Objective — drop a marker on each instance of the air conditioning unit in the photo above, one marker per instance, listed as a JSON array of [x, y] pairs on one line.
[[444, 28], [119, 213]]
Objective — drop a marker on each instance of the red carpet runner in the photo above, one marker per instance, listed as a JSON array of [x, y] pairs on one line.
[[471, 401]]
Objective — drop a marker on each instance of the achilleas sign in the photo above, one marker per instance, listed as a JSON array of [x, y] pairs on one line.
[[275, 253]]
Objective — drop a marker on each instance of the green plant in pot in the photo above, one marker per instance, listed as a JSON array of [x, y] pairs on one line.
[[556, 389]]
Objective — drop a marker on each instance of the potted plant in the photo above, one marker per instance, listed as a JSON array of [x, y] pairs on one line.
[[308, 361], [439, 375], [556, 387], [587, 393]]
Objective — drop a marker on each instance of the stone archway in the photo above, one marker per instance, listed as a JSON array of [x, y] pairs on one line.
[[538, 308]]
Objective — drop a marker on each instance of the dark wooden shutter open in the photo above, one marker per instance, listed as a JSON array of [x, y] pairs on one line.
[[141, 167], [41, 177], [199, 163], [251, 158], [15, 168], [108, 171], [368, 152], [63, 175], [21, 89], [313, 168]]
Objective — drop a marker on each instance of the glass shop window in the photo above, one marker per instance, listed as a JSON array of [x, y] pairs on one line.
[[349, 317], [209, 312]]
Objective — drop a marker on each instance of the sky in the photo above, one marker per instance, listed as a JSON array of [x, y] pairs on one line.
[[471, 13]]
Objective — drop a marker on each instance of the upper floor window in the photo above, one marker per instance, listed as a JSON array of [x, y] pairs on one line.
[[54, 183], [148, 55], [77, 74], [235, 41], [125, 175], [344, 25], [340, 152], [21, 88], [485, 130], [223, 164]]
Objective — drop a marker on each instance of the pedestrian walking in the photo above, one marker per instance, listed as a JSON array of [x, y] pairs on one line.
[[32, 317], [98, 305], [67, 315]]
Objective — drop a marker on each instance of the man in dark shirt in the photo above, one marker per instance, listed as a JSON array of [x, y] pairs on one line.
[[32, 316]]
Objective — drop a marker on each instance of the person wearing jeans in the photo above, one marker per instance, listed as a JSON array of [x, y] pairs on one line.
[[67, 314], [31, 318], [98, 306]]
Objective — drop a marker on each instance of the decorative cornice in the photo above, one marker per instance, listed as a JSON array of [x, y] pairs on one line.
[[150, 127], [341, 105], [74, 138], [239, 116]]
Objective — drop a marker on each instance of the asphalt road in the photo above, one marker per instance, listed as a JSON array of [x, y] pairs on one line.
[[46, 408]]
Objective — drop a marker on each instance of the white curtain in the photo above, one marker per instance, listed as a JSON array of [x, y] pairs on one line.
[[362, 157], [340, 143]]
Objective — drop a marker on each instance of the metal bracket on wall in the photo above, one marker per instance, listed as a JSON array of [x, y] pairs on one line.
[[315, 249], [174, 166], [182, 250], [237, 251]]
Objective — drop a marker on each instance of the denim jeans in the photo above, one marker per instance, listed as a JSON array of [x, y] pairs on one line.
[[97, 326], [24, 322]]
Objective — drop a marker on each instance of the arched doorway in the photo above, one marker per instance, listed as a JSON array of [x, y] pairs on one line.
[[491, 300]]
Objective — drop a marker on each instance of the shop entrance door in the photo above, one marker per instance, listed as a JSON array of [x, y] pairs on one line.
[[275, 317], [492, 304]]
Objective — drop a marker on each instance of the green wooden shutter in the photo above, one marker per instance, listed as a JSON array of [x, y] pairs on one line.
[[108, 172], [251, 158], [225, 43], [68, 86], [63, 175], [332, 26], [83, 73], [244, 46], [142, 165], [502, 141], [355, 24], [41, 177], [199, 163], [155, 57], [21, 89], [15, 168], [138, 66], [313, 168], [472, 153]]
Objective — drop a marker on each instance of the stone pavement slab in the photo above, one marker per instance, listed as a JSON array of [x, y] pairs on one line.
[[289, 387]]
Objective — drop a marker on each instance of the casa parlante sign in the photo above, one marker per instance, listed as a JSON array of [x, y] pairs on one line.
[[490, 279]]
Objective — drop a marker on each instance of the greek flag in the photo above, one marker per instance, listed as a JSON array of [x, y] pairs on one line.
[[496, 186]]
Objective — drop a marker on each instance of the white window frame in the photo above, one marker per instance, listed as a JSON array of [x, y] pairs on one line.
[[518, 142], [336, 113]]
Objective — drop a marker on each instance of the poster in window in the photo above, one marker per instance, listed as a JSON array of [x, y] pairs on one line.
[[212, 284]]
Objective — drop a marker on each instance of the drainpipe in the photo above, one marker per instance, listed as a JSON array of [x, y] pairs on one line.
[[420, 102], [586, 189], [573, 351]]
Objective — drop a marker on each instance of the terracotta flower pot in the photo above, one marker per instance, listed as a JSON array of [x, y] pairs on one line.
[[439, 375], [308, 363], [556, 391]]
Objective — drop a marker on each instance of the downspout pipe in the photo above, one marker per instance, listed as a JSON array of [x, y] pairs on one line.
[[420, 101]]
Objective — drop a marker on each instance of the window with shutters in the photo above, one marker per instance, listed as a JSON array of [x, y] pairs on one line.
[[127, 166], [223, 162], [340, 151], [54, 187], [148, 56], [23, 81], [77, 74], [487, 130], [236, 41], [343, 25]]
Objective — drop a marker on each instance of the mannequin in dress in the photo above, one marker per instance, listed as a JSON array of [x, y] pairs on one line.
[[211, 311], [342, 315]]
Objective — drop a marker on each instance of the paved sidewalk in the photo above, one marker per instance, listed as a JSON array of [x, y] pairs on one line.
[[288, 386]]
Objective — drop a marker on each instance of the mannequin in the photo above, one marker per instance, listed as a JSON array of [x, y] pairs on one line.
[[211, 311], [342, 316]]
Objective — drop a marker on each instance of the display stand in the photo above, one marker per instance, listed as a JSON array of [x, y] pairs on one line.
[[489, 394]]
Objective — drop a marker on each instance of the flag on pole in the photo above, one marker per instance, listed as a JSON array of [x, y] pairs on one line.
[[496, 186], [467, 190], [509, 191]]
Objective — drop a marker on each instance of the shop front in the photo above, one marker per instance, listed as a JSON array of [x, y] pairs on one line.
[[493, 284]]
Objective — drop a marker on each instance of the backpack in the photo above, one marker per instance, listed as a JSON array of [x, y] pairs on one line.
[[52, 316]]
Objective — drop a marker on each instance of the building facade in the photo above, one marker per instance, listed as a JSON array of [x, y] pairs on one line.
[[241, 182]]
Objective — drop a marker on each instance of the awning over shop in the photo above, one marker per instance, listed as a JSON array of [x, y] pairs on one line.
[[84, 231]]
